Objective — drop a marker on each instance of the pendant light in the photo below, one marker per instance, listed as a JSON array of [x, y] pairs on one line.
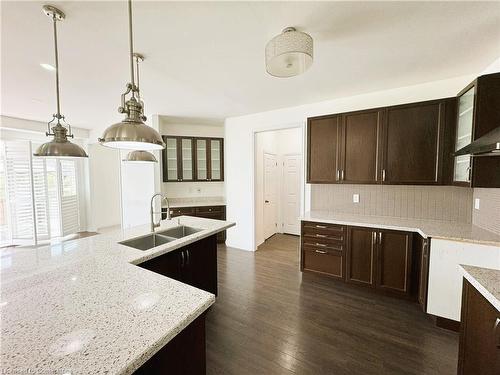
[[139, 156], [289, 53], [60, 146], [132, 133]]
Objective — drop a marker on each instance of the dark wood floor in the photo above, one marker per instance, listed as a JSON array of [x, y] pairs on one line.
[[270, 318]]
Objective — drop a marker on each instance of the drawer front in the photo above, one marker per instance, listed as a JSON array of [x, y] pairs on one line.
[[178, 211], [322, 245], [332, 230], [209, 209], [323, 237], [327, 262]]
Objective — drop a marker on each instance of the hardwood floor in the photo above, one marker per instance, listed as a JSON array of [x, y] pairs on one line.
[[270, 318]]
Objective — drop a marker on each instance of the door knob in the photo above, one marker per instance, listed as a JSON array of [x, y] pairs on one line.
[[266, 201]]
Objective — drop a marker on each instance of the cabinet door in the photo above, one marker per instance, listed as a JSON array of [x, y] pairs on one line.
[[479, 348], [361, 248], [186, 159], [360, 151], [200, 267], [394, 261], [323, 135], [463, 135], [170, 159], [412, 143], [423, 274], [168, 265], [201, 159], [216, 161]]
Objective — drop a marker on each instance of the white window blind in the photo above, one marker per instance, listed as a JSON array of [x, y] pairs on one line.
[[69, 197]]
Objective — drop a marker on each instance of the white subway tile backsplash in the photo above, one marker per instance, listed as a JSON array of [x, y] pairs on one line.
[[448, 203]]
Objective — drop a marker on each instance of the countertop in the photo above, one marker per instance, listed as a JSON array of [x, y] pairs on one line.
[[83, 304], [447, 230], [195, 202], [486, 281]]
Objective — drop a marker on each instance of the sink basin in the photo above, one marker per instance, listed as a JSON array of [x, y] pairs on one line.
[[147, 242], [180, 231]]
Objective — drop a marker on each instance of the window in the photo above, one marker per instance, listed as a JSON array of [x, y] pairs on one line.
[[38, 196]]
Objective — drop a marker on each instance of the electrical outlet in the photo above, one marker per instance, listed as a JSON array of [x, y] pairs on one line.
[[355, 198], [476, 203]]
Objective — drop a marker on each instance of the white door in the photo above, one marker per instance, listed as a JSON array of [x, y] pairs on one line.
[[291, 194], [270, 195]]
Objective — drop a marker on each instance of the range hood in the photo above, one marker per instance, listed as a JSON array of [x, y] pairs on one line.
[[487, 145]]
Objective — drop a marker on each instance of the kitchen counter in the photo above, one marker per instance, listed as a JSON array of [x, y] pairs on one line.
[[195, 202], [486, 281], [447, 230], [83, 305]]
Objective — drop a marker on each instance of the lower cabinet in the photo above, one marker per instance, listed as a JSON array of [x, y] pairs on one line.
[[379, 259], [194, 264], [479, 348]]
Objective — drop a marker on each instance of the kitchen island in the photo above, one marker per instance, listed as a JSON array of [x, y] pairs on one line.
[[84, 306]]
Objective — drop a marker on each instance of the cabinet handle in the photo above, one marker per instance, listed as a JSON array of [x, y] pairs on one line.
[[321, 235], [321, 226], [188, 256], [338, 174], [321, 252], [380, 238], [374, 238], [182, 259], [342, 174], [320, 244], [383, 174], [496, 330]]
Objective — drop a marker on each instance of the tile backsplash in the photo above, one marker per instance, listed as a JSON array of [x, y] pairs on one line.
[[488, 215], [448, 203]]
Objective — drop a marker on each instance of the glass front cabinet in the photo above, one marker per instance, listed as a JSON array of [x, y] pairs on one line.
[[463, 135], [192, 159]]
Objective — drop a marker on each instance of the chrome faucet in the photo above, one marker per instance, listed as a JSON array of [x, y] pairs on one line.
[[153, 224]]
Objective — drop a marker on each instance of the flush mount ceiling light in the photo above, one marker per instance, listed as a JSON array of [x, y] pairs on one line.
[[289, 53], [59, 146], [132, 133]]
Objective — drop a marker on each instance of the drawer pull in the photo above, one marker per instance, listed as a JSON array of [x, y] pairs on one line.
[[321, 226], [321, 235], [320, 244], [321, 252], [496, 330]]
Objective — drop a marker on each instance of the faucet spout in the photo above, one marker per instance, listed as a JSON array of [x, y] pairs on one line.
[[152, 211]]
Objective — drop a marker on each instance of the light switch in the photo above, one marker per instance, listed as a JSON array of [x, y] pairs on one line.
[[476, 203], [355, 198]]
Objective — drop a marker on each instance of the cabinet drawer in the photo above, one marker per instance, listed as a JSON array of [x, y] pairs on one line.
[[314, 244], [332, 230], [178, 211], [209, 209], [317, 236], [324, 261]]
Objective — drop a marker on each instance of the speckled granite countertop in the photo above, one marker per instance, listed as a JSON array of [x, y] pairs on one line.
[[195, 202], [447, 230], [486, 281], [83, 307]]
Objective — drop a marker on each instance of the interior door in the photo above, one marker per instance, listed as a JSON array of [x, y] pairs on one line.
[[291, 194], [270, 195]]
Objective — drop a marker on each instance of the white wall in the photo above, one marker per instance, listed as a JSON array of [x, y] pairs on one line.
[[193, 128], [239, 144], [280, 143]]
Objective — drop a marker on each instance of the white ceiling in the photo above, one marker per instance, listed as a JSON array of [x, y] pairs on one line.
[[206, 59]]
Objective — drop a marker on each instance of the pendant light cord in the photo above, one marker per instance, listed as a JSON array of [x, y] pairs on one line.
[[131, 46], [54, 19]]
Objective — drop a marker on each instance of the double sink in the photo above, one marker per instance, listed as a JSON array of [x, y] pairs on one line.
[[160, 238]]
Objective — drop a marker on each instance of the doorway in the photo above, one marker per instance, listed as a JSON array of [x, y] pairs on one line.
[[278, 180]]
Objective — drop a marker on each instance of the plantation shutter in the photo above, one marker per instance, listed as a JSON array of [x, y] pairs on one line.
[[69, 197]]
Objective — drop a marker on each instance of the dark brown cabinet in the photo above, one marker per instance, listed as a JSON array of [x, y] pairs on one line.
[[323, 135], [360, 151], [477, 113], [403, 144], [208, 212], [186, 159], [194, 264], [323, 249], [361, 248], [479, 348]]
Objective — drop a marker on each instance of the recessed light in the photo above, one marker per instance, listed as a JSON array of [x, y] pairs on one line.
[[48, 67]]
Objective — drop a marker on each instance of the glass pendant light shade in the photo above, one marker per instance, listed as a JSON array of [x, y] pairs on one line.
[[289, 54], [140, 157]]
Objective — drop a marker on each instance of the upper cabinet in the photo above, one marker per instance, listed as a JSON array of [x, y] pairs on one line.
[[477, 114], [394, 145], [193, 159]]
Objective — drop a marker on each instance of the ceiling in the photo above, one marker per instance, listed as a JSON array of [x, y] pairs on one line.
[[206, 59]]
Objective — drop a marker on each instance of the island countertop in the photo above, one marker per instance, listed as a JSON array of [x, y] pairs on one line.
[[447, 230], [486, 281], [83, 306]]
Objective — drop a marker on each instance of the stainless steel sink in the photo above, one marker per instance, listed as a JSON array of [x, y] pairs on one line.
[[180, 231], [147, 242]]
